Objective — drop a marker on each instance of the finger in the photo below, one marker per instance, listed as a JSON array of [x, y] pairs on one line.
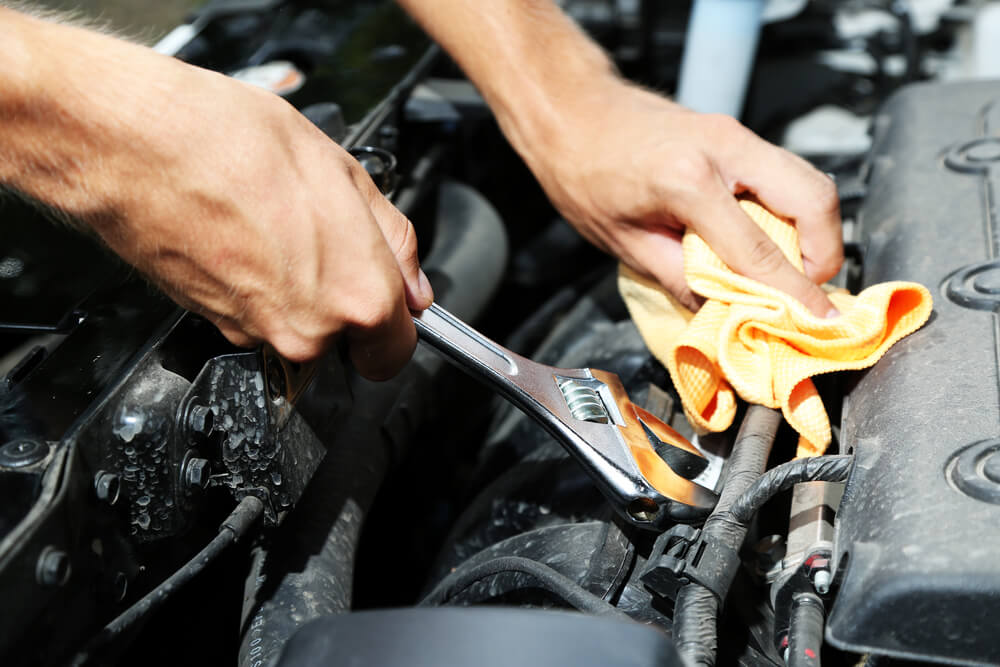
[[381, 347], [402, 241], [792, 188], [658, 254], [234, 334], [716, 216]]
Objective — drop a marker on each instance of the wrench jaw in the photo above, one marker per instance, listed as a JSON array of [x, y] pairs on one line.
[[663, 495], [589, 413]]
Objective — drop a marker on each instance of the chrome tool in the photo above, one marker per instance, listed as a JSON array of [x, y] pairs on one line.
[[590, 414]]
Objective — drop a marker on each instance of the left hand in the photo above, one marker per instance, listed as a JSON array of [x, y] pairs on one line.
[[631, 170]]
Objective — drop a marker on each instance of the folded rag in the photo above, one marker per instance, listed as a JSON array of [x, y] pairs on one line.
[[760, 343]]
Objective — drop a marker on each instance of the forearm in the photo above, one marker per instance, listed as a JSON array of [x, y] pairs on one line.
[[77, 108], [533, 65]]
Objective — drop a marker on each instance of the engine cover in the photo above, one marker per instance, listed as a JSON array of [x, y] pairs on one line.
[[918, 532]]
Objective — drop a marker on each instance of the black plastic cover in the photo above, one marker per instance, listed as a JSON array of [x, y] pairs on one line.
[[480, 636], [918, 534]]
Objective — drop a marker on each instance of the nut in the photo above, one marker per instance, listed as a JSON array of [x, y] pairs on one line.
[[197, 472], [201, 419]]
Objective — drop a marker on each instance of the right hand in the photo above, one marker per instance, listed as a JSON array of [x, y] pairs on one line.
[[224, 195]]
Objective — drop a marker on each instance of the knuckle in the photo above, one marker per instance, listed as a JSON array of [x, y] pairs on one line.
[[298, 348], [376, 311], [834, 259], [765, 257], [723, 123], [827, 197], [402, 240], [407, 251], [693, 167]]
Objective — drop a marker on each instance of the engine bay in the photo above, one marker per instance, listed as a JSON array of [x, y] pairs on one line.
[[170, 497]]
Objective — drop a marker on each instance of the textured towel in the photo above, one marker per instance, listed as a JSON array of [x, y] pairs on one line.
[[760, 343]]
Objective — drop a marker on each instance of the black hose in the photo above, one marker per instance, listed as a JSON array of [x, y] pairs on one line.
[[232, 529], [468, 256], [785, 476], [696, 608], [547, 579], [805, 631]]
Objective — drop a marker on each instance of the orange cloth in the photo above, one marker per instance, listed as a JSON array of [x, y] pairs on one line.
[[760, 343]]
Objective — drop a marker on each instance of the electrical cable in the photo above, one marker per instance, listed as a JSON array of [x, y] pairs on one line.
[[544, 576], [785, 476], [234, 527], [696, 607]]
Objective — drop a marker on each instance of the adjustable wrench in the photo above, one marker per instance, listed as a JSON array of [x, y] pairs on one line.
[[590, 415]]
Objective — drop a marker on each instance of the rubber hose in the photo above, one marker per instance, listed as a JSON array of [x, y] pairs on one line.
[[805, 631], [785, 476], [469, 252], [307, 570], [696, 608], [547, 579]]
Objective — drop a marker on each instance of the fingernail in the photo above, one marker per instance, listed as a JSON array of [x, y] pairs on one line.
[[426, 290], [832, 313]]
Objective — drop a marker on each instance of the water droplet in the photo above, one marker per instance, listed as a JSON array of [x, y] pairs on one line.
[[276, 478], [142, 501], [127, 424], [142, 521], [227, 422]]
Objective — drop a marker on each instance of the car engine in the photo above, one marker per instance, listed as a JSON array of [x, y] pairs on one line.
[[168, 497]]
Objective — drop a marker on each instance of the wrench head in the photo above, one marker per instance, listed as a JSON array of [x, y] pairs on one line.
[[688, 500]]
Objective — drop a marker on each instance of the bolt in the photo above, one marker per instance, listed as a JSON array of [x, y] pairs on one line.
[[107, 485], [196, 473], [21, 453], [53, 567], [821, 580], [201, 419]]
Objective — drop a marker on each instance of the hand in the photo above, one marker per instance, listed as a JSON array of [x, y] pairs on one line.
[[631, 170], [223, 194], [262, 224]]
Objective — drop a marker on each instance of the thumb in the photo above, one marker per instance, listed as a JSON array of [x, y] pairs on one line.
[[402, 240]]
